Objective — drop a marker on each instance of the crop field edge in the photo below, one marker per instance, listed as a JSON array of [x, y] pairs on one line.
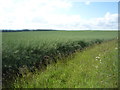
[[65, 62], [65, 49]]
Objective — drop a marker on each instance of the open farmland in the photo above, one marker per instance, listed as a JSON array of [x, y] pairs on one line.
[[36, 49]]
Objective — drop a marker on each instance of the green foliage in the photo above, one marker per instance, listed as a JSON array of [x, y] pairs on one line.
[[38, 49], [95, 67]]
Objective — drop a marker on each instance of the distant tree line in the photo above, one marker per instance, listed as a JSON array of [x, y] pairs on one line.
[[27, 30]]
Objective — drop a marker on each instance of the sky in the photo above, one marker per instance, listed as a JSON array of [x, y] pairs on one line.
[[59, 14]]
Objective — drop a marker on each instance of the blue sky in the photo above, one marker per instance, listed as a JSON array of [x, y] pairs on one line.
[[58, 14], [94, 9]]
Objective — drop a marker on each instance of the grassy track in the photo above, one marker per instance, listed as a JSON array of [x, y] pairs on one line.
[[94, 67]]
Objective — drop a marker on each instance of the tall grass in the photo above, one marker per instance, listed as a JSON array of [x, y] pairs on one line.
[[95, 67]]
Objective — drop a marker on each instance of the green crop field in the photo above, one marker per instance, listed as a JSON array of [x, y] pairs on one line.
[[37, 49]]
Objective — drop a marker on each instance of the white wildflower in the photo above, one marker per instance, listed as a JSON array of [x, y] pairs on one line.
[[98, 57], [117, 37], [96, 66]]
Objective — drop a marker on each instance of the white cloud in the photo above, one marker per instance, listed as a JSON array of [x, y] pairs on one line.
[[30, 12], [87, 2], [34, 14], [109, 21]]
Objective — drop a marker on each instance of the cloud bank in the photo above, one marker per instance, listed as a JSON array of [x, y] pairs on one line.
[[44, 14]]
